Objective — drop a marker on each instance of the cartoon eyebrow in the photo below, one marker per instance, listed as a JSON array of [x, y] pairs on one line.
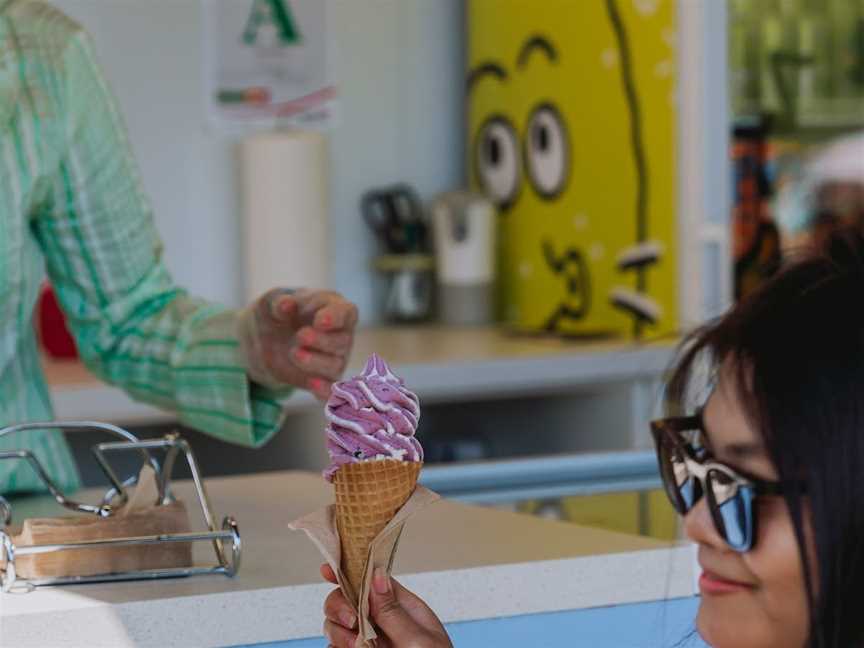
[[490, 69], [539, 43]]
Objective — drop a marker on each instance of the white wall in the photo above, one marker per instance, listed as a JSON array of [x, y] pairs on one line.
[[400, 68]]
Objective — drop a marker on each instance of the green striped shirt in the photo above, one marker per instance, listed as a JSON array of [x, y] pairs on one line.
[[72, 205]]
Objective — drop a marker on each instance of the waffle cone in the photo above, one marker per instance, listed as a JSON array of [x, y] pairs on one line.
[[368, 495]]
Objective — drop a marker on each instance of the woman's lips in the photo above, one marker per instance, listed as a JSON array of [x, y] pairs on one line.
[[710, 583]]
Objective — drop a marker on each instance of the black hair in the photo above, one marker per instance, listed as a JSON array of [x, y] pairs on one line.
[[796, 350]]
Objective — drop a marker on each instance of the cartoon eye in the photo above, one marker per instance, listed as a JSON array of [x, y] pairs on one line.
[[497, 161], [547, 151]]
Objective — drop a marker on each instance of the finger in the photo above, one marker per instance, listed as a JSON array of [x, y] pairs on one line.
[[338, 315], [328, 574], [279, 305], [309, 302], [336, 343], [388, 613], [338, 636], [320, 388], [339, 611], [417, 608], [318, 364]]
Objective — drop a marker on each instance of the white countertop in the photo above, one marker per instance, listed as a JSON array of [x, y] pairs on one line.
[[440, 364], [468, 563]]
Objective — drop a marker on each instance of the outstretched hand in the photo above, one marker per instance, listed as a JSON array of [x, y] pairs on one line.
[[301, 338]]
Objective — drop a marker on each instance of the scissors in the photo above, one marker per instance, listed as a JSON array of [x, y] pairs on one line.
[[395, 214]]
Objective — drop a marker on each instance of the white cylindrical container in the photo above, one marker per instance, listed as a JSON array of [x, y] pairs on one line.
[[465, 230], [285, 223]]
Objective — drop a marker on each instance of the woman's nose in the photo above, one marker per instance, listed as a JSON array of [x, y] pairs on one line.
[[699, 526]]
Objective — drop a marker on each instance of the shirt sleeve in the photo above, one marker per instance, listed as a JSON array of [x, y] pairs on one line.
[[134, 327]]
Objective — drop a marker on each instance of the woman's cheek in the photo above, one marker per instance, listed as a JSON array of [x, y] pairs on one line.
[[776, 564]]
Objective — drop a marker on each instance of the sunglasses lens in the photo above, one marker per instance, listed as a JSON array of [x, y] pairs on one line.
[[683, 490], [731, 508]]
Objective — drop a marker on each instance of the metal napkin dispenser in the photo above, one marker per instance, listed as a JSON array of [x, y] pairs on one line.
[[138, 531]]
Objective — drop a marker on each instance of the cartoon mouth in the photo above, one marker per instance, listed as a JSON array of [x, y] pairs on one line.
[[636, 303], [570, 265]]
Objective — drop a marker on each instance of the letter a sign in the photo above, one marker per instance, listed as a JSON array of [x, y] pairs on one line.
[[267, 64], [274, 14]]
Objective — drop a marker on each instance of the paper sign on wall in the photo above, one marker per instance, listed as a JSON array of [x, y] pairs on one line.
[[267, 64]]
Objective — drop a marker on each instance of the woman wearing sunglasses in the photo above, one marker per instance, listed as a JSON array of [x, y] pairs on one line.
[[767, 471]]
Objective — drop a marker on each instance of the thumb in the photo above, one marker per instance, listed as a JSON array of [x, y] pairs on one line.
[[279, 306], [388, 613]]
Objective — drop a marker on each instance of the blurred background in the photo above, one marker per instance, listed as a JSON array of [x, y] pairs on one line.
[[528, 201]]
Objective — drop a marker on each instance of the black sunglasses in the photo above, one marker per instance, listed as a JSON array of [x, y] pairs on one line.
[[688, 473]]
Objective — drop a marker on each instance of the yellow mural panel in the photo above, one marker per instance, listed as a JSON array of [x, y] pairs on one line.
[[572, 134]]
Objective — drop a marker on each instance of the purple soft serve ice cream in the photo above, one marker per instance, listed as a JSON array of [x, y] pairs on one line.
[[372, 416]]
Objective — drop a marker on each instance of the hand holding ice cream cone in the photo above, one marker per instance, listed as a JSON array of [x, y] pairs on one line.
[[402, 617], [375, 458], [375, 461]]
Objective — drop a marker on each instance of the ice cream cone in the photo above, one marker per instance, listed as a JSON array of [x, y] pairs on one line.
[[368, 495]]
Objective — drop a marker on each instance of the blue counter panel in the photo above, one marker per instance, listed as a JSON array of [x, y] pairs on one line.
[[661, 624]]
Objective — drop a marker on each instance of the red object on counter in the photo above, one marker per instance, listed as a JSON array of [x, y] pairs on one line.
[[53, 333]]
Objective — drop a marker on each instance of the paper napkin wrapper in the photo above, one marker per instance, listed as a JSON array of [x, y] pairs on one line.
[[141, 516], [320, 526]]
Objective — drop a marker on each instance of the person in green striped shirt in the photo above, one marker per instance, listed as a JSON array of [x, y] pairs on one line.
[[72, 206]]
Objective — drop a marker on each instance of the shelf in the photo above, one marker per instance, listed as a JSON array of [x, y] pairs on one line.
[[440, 364]]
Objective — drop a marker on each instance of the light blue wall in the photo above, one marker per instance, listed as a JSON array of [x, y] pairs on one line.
[[399, 65]]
